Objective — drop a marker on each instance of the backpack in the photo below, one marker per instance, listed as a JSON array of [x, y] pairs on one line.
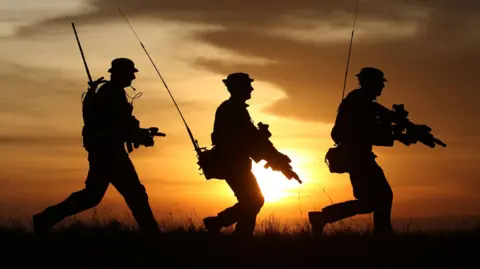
[[88, 105]]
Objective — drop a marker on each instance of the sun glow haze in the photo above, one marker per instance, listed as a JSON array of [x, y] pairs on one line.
[[274, 185]]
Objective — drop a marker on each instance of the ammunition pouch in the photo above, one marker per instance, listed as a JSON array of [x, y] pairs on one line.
[[210, 164], [337, 160]]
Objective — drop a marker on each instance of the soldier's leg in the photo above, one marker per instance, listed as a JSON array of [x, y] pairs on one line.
[[381, 199], [360, 175], [95, 187], [337, 212], [127, 183], [250, 200], [231, 215], [228, 216]]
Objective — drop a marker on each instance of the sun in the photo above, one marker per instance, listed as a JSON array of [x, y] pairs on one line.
[[274, 185]]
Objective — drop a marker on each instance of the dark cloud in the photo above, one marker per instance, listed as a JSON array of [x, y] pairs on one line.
[[431, 71], [29, 140], [445, 16], [231, 13]]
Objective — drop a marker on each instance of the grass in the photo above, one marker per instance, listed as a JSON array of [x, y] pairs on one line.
[[112, 242]]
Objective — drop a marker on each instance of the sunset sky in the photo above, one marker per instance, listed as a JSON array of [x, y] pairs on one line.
[[295, 50]]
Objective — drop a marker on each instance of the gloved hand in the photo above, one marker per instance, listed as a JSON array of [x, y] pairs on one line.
[[145, 136], [263, 129], [94, 84]]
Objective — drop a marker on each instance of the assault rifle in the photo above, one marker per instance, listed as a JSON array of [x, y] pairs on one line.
[[404, 130], [276, 160]]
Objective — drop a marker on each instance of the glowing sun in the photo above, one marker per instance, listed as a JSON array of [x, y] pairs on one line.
[[274, 185]]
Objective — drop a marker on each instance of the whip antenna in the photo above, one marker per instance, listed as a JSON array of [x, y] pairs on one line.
[[81, 52], [350, 50], [156, 69], [195, 144]]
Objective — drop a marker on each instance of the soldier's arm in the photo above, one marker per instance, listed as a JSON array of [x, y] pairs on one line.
[[351, 124], [383, 138], [247, 128], [382, 131], [362, 125], [233, 126], [224, 132], [377, 134], [342, 127], [110, 111]]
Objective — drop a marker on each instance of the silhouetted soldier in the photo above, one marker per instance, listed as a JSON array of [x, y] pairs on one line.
[[357, 129], [235, 136], [108, 126]]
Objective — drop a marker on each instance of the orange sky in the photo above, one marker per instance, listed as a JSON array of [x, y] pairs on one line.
[[295, 50]]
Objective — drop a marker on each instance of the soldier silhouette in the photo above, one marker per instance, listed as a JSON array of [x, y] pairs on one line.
[[357, 129], [234, 136], [108, 126]]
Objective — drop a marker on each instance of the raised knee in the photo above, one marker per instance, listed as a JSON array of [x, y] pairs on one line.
[[254, 205], [96, 198], [388, 195], [260, 202], [365, 206]]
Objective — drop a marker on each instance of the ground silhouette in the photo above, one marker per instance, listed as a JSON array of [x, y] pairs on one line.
[[117, 244]]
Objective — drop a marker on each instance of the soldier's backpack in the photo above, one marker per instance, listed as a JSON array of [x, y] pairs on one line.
[[88, 100]]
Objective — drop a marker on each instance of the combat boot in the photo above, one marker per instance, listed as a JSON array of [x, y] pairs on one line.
[[212, 225], [318, 220], [42, 224]]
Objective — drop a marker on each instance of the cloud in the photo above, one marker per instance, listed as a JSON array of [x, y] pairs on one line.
[[428, 49], [41, 110], [268, 14], [23, 140], [245, 13]]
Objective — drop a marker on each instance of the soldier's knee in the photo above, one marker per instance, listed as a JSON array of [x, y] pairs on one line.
[[260, 202], [95, 199], [89, 197], [366, 206], [139, 193], [381, 200], [257, 204], [387, 195], [252, 205], [390, 196]]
